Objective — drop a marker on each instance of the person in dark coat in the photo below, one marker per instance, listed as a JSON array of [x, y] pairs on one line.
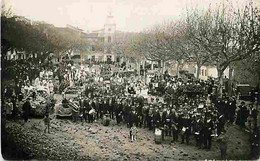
[[207, 133], [201, 134], [102, 107], [88, 108], [188, 131], [157, 119], [145, 112], [243, 115], [232, 110], [226, 109], [254, 115], [167, 117], [26, 109], [140, 114], [84, 111], [174, 127], [220, 124], [111, 105], [99, 109], [131, 118], [196, 129], [127, 113], [118, 111], [15, 109], [186, 122], [255, 146]]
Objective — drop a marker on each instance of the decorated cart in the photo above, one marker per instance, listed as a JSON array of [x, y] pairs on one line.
[[66, 108]]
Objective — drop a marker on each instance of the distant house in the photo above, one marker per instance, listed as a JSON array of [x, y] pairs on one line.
[[210, 71], [205, 72]]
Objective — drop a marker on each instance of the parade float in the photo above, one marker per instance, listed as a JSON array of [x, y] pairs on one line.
[[66, 108], [39, 98]]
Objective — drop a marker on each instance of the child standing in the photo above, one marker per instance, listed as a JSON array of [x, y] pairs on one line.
[[47, 123], [223, 145], [133, 132]]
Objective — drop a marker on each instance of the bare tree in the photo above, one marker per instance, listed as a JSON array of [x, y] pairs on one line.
[[228, 36], [191, 45], [152, 43]]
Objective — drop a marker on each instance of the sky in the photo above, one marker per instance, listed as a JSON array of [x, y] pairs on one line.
[[129, 15]]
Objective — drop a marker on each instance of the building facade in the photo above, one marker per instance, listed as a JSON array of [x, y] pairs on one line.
[[104, 36]]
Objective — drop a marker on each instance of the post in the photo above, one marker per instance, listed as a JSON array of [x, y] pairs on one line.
[[177, 70]]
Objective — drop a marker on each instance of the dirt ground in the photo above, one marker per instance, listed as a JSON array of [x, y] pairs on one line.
[[69, 140], [73, 141]]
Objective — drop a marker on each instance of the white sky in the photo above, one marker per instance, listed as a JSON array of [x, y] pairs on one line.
[[130, 15]]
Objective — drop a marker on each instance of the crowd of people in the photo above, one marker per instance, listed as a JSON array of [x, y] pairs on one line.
[[180, 108]]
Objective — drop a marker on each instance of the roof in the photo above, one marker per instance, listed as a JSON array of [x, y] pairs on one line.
[[74, 28], [98, 30]]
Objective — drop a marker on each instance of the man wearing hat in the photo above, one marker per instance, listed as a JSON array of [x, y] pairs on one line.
[[166, 119], [232, 109], [145, 112], [118, 110], [243, 115], [111, 107], [207, 132], [196, 128]]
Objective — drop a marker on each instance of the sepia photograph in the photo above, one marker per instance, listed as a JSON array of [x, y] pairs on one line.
[[144, 80]]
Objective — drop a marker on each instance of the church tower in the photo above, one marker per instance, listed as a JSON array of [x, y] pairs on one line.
[[109, 28]]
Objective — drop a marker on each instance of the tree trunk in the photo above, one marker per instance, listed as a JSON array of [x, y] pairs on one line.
[[198, 71], [163, 67], [230, 80], [220, 78]]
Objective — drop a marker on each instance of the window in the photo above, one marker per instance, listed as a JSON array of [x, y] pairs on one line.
[[109, 29], [202, 72], [109, 39]]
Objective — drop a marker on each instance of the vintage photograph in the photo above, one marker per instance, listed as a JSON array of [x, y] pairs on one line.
[[130, 80]]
